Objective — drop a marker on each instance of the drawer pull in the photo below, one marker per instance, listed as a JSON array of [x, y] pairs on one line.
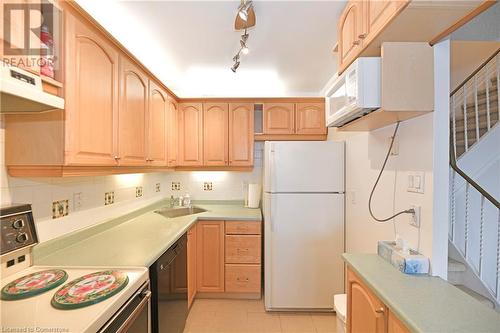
[[242, 279], [380, 310], [241, 250]]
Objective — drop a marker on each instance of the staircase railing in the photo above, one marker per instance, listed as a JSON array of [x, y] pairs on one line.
[[475, 213]]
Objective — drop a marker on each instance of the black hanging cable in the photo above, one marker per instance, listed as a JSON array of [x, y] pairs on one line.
[[408, 211]]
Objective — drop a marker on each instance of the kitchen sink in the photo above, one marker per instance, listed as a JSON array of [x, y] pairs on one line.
[[180, 211]]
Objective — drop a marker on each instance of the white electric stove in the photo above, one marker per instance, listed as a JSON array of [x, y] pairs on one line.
[[126, 309]]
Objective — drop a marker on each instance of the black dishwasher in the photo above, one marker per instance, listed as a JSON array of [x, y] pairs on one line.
[[168, 276]]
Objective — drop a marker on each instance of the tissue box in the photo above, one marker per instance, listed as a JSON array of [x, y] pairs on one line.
[[411, 263]]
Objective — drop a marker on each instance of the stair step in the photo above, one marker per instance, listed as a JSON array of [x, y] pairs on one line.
[[486, 301], [456, 266]]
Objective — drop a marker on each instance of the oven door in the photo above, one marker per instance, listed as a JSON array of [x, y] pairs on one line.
[[134, 316]]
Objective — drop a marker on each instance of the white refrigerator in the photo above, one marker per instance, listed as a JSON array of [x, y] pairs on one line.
[[303, 224]]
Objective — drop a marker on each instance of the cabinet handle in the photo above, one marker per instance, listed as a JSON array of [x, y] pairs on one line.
[[242, 279], [149, 160], [117, 157], [356, 42], [362, 36], [380, 310]]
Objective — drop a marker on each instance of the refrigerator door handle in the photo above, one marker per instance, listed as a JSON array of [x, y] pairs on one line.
[[272, 169], [271, 214]]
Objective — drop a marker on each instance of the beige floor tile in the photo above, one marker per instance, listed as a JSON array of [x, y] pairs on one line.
[[296, 323], [324, 323], [255, 306], [263, 323], [229, 322]]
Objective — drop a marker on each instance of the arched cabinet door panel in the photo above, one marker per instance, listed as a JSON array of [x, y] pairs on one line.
[[350, 33], [241, 134], [215, 134], [157, 125], [279, 118], [91, 96], [132, 122], [310, 118], [190, 134]]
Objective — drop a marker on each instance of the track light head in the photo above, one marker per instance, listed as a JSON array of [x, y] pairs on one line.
[[235, 66]]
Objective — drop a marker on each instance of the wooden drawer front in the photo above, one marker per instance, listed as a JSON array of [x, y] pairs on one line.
[[243, 249], [243, 228], [243, 278]]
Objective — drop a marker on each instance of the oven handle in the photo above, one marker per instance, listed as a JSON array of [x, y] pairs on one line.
[[146, 294]]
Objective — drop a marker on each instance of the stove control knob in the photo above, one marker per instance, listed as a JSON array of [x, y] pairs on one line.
[[18, 224], [22, 237]]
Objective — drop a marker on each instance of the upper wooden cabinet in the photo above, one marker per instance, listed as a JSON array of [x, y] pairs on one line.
[[215, 134], [157, 123], [210, 256], [190, 134], [172, 133], [365, 312], [241, 128], [279, 118], [91, 96], [351, 32], [377, 14], [310, 118], [132, 114]]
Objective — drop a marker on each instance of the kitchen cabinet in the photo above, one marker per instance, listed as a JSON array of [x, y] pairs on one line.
[[351, 31], [172, 133], [210, 256], [310, 118], [243, 246], [241, 134], [190, 134], [132, 114], [157, 124], [377, 14], [215, 134], [91, 96], [191, 263], [366, 312], [279, 118]]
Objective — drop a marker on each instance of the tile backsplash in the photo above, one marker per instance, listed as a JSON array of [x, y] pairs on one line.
[[62, 205]]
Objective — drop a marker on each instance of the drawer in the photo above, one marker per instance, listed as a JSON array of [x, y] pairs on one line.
[[243, 249], [243, 228], [243, 278]]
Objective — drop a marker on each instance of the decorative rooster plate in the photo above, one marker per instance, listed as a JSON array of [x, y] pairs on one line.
[[33, 284], [89, 289]]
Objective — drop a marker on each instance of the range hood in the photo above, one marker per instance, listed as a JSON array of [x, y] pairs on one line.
[[22, 91]]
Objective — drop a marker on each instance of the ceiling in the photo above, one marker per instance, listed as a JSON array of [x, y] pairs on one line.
[[189, 45]]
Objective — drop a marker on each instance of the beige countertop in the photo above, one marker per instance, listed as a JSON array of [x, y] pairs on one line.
[[137, 239], [423, 303]]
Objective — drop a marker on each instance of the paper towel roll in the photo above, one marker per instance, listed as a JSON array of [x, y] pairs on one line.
[[253, 195]]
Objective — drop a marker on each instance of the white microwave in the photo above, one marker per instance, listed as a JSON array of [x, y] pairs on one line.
[[355, 93]]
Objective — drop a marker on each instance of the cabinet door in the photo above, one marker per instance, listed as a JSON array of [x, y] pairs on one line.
[[377, 14], [132, 114], [310, 118], [210, 256], [396, 326], [241, 134], [172, 133], [157, 114], [351, 31], [91, 96], [191, 262], [365, 312], [279, 118], [190, 134], [215, 134]]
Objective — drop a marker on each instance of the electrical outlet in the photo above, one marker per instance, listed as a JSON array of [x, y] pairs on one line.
[[176, 186], [157, 187], [77, 201], [109, 198], [395, 146], [415, 218], [138, 191], [207, 186]]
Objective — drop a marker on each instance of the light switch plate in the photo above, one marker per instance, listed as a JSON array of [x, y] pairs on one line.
[[416, 181]]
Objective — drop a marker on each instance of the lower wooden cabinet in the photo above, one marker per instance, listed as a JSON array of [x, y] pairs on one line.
[[210, 256], [243, 278], [243, 249], [191, 264], [365, 312]]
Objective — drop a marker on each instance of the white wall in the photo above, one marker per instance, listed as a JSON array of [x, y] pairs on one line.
[[365, 152], [41, 192]]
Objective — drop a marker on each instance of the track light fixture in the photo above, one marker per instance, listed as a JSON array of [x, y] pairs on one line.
[[245, 18]]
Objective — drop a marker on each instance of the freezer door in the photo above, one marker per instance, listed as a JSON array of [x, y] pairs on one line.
[[304, 241], [299, 166]]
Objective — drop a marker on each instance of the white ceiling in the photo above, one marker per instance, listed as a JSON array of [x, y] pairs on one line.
[[189, 45]]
